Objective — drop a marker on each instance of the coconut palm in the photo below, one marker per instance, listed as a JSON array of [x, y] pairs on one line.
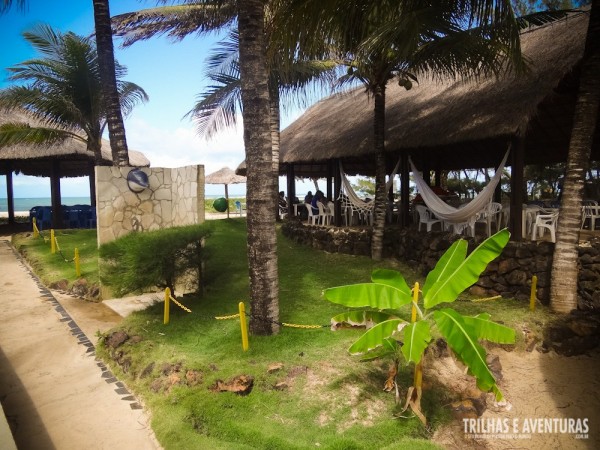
[[110, 90], [201, 17], [563, 288], [110, 87], [386, 40], [62, 90]]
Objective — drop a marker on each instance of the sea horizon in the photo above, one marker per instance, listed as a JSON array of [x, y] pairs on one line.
[[26, 203]]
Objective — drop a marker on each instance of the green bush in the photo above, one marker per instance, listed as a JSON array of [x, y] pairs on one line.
[[139, 261]]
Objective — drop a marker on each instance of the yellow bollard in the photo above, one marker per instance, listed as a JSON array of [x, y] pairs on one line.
[[533, 295], [413, 316], [167, 300], [52, 242], [77, 266], [36, 231], [243, 326]]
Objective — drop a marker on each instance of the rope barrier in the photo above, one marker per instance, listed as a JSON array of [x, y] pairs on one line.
[[179, 304]]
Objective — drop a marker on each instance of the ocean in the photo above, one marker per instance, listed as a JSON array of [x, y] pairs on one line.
[[25, 204]]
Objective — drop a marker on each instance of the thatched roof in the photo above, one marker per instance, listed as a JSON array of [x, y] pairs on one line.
[[224, 176], [454, 124], [73, 155]]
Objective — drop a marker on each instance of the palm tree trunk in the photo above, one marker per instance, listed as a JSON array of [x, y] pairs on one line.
[[563, 288], [262, 238], [106, 62], [380, 191], [275, 134]]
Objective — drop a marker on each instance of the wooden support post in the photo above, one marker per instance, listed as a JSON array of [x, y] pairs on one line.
[[516, 189]]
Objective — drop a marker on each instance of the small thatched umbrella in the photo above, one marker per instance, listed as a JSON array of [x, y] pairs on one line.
[[225, 176]]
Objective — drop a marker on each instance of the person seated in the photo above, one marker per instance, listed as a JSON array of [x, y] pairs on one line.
[[308, 198], [318, 197]]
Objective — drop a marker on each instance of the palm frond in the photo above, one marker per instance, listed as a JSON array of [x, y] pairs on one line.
[[176, 22], [15, 133], [217, 108]]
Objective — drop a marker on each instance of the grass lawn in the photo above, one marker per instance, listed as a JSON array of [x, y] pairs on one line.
[[53, 267], [319, 398]]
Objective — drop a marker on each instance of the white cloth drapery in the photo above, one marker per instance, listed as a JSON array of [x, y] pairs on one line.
[[466, 214]]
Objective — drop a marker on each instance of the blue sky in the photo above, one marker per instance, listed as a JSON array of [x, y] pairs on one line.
[[171, 73]]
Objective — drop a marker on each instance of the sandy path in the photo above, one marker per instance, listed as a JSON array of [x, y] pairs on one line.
[[540, 386], [53, 391]]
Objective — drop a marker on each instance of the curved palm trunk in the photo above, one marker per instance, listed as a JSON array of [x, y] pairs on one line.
[[262, 238], [563, 288], [106, 62], [380, 191]]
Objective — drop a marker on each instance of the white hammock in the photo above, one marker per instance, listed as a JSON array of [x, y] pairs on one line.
[[357, 202], [468, 213]]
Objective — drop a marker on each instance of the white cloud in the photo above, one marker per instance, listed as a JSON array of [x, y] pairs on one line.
[[182, 146]]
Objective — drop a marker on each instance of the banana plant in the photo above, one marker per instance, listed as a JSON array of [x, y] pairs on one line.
[[382, 300]]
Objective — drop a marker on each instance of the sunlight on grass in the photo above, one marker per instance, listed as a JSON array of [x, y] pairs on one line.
[[320, 397]]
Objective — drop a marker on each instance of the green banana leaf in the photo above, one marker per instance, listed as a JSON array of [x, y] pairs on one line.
[[490, 331], [388, 347], [462, 338], [416, 339], [360, 318], [447, 264], [391, 278], [371, 295], [378, 336], [452, 281]]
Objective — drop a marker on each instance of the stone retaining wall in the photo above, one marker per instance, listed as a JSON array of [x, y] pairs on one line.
[[509, 275], [174, 197]]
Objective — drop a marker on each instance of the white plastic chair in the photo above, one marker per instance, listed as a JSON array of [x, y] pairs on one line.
[[312, 217], [490, 214], [543, 222], [324, 217], [426, 218], [591, 212]]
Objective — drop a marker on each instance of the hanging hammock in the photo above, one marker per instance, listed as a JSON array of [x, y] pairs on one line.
[[468, 213], [357, 202]]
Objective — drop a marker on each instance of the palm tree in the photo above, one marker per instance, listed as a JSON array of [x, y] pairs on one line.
[[563, 288], [262, 237], [104, 44], [106, 63], [63, 91], [203, 16], [384, 40]]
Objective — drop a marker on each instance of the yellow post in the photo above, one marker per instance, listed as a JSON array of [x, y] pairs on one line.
[[52, 242], [243, 326], [167, 300], [533, 295], [36, 232], [413, 316], [77, 266]]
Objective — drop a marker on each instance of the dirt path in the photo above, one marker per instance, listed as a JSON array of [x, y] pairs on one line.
[[538, 386], [55, 394]]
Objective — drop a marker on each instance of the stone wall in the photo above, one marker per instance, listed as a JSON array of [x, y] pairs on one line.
[[509, 275], [174, 197]]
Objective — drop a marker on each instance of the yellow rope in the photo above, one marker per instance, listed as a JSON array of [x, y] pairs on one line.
[[180, 305], [487, 299], [292, 325], [233, 316]]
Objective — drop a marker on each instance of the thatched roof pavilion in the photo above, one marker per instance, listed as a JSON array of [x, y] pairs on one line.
[[445, 124], [73, 156], [453, 124], [67, 159]]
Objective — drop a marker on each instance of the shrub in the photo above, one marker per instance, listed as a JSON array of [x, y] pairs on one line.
[[139, 261]]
